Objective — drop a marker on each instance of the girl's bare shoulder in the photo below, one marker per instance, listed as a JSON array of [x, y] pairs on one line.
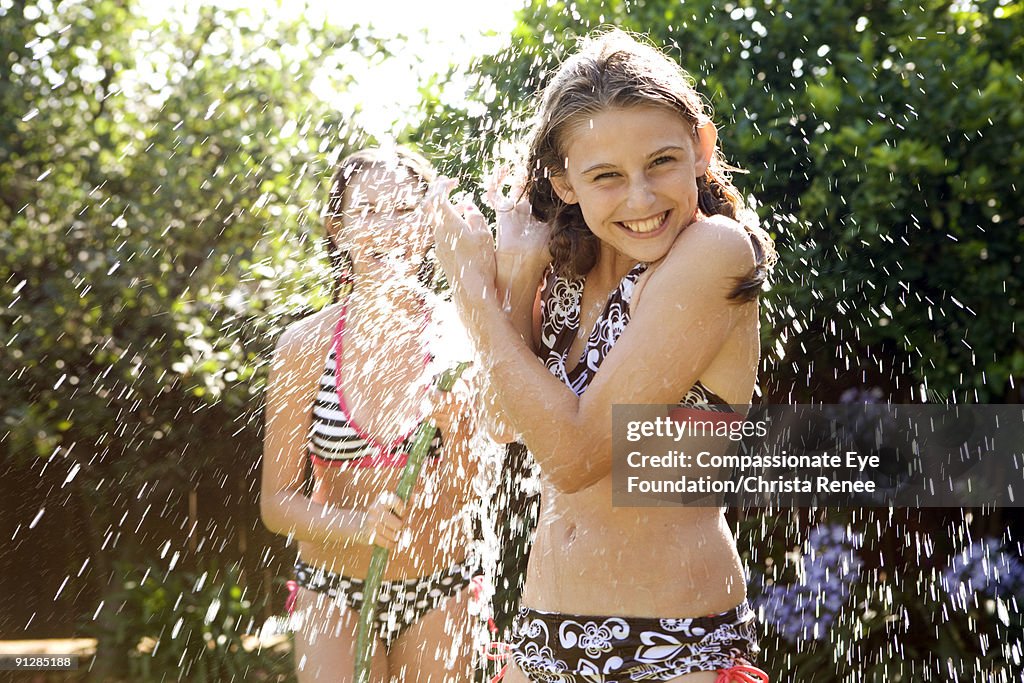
[[308, 334], [715, 240]]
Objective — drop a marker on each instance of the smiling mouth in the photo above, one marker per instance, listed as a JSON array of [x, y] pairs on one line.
[[647, 224]]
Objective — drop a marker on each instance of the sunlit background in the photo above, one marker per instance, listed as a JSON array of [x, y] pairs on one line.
[[427, 37]]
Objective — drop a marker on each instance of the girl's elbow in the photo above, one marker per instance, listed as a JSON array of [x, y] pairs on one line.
[[582, 473], [500, 433], [270, 515], [268, 519], [565, 485]]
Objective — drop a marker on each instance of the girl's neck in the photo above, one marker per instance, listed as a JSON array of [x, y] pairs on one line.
[[384, 359], [611, 266]]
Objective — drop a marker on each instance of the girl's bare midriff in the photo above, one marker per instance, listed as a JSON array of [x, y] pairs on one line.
[[434, 520], [591, 559]]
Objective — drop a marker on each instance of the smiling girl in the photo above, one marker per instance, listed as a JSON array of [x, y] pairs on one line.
[[623, 267]]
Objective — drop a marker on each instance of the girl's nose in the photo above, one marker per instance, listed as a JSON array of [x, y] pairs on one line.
[[641, 195]]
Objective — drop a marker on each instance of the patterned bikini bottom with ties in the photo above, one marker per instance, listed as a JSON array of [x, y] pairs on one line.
[[551, 646]]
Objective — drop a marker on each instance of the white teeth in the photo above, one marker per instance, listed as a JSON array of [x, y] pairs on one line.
[[646, 225]]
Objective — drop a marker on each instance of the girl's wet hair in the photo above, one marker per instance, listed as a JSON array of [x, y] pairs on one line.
[[421, 170], [615, 70]]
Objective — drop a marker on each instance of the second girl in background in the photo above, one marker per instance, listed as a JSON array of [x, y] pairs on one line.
[[348, 388]]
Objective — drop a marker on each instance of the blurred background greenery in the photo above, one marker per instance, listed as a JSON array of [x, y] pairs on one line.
[[160, 185]]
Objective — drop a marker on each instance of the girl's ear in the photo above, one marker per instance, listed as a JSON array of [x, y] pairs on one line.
[[563, 189], [707, 138]]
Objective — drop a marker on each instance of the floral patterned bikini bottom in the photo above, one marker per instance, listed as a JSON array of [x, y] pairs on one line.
[[551, 646]]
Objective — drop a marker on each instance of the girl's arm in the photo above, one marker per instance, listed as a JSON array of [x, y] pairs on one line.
[[518, 280], [456, 416], [672, 338], [521, 253], [294, 377], [521, 258], [519, 289]]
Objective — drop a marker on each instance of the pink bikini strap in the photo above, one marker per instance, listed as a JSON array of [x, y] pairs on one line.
[[494, 650], [293, 593], [382, 448]]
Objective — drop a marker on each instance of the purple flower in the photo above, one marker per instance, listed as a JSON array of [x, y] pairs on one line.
[[983, 568], [861, 395], [807, 608]]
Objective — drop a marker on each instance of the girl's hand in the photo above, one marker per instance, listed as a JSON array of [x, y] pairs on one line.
[[452, 410], [521, 237], [464, 246], [382, 522]]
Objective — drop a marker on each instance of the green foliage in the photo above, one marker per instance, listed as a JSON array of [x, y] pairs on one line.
[[160, 189], [159, 201], [190, 624], [882, 143]]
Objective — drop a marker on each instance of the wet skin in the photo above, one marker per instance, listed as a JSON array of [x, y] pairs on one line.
[[385, 384], [633, 172], [387, 387]]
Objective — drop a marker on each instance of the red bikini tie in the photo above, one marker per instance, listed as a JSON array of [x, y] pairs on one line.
[[494, 651], [742, 673], [476, 588], [293, 593]]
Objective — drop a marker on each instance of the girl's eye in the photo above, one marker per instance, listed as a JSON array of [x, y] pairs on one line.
[[605, 176], [662, 160]]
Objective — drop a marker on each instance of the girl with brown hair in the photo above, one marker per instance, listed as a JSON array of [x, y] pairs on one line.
[[348, 388], [628, 268]]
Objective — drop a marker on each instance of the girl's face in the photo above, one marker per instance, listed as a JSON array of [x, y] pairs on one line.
[[633, 171], [381, 226]]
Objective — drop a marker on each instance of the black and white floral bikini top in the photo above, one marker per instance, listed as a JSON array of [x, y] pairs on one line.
[[560, 322]]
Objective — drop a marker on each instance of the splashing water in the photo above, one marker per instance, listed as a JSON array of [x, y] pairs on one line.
[[159, 235]]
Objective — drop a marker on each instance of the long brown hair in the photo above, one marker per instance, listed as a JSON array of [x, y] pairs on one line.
[[347, 168], [615, 70]]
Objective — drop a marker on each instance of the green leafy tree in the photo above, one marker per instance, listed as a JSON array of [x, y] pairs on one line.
[[159, 195]]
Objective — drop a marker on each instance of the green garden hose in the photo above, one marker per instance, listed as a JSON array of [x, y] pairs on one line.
[[379, 559]]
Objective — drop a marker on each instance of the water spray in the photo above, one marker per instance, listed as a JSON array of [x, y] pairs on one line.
[[379, 560]]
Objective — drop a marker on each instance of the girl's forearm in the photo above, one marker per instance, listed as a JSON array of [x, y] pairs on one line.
[[517, 280], [538, 405], [291, 514]]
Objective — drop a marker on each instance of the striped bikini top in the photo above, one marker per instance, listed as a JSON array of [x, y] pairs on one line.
[[336, 440], [560, 322]]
